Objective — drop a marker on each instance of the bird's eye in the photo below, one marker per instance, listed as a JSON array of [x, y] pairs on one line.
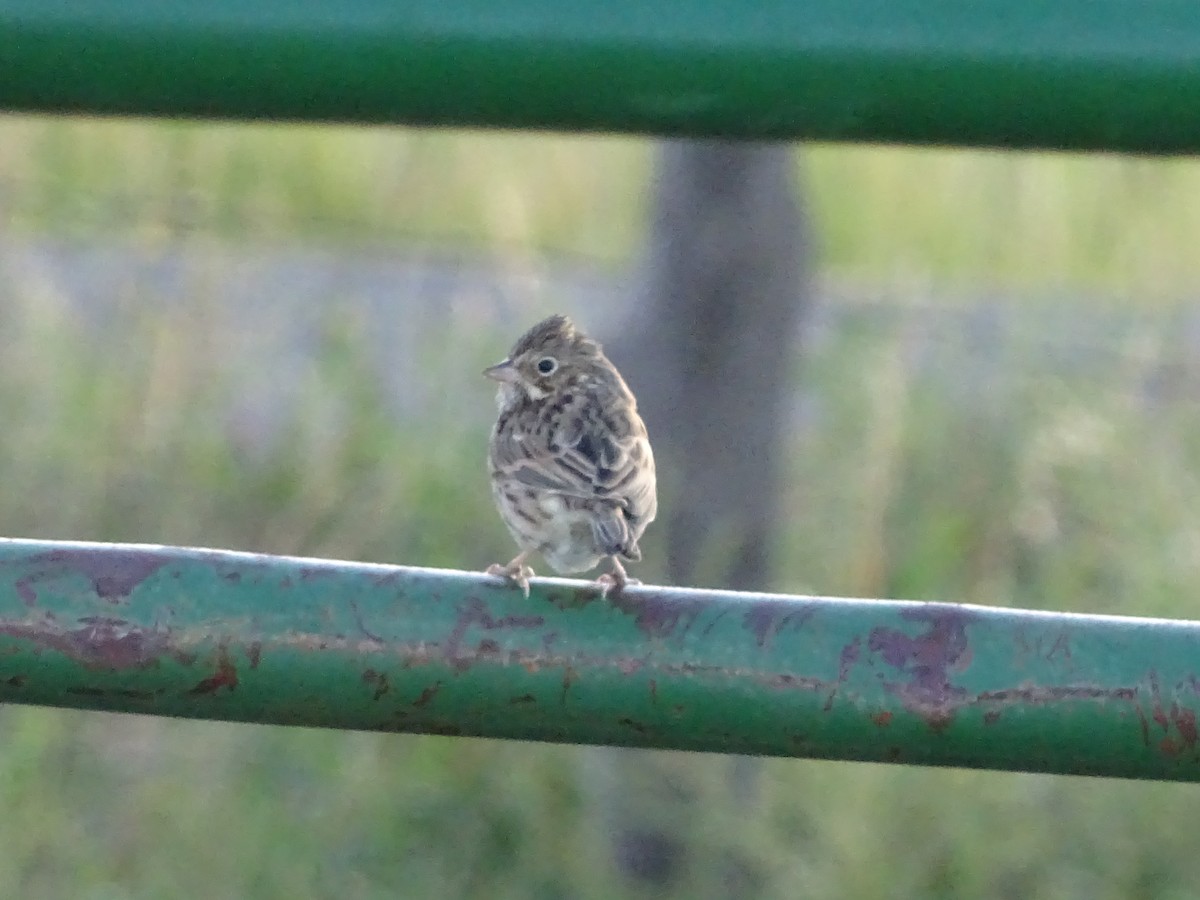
[[547, 364]]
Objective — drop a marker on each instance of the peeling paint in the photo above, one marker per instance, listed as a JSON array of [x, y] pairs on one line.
[[113, 574], [100, 642], [473, 611], [846, 661], [656, 613], [767, 618], [445, 653], [927, 661]]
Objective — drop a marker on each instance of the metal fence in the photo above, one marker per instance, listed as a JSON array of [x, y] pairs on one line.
[[212, 634], [222, 635], [1084, 74]]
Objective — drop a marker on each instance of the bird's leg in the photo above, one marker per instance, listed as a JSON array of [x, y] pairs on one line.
[[614, 580], [516, 571]]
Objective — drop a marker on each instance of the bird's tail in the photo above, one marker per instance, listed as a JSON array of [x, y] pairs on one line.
[[613, 536]]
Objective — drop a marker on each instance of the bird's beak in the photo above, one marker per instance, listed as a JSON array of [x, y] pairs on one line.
[[502, 371]]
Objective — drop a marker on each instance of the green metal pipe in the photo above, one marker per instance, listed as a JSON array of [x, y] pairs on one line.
[[1085, 74], [210, 634]]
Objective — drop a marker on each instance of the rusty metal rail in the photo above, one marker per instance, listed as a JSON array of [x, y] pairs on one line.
[[220, 635]]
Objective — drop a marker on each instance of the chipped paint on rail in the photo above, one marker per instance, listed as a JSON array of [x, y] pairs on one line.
[[212, 634]]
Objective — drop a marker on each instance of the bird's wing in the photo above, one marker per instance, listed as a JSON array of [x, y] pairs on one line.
[[596, 457]]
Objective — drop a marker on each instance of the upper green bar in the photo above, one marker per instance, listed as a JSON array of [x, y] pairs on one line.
[[1083, 74], [218, 635]]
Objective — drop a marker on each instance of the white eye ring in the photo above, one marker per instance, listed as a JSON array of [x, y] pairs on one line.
[[547, 364]]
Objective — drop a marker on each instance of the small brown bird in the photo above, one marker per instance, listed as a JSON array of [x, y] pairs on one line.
[[571, 466]]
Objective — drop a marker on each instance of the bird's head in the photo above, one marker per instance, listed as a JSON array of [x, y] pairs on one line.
[[543, 361]]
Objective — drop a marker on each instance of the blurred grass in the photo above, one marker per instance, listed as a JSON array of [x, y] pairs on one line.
[[945, 451], [978, 218]]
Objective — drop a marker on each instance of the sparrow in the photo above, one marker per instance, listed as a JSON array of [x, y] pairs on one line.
[[571, 467]]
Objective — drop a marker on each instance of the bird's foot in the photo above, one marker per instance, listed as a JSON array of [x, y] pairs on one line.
[[614, 581], [516, 572]]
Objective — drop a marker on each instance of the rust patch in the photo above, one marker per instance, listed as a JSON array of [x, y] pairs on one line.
[[767, 618], [488, 646], [427, 695], [1185, 723], [226, 676], [100, 642], [1182, 719], [882, 719], [113, 573], [379, 680], [991, 717], [1157, 713], [473, 611], [927, 661]]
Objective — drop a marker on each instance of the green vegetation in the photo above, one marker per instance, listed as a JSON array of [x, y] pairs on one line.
[[1004, 414]]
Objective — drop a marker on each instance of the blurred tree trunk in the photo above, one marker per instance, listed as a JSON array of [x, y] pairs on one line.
[[710, 354]]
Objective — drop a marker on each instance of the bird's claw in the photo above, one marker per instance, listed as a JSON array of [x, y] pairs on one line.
[[613, 582], [517, 573]]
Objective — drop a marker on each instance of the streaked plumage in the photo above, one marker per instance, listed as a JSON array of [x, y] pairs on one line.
[[571, 467]]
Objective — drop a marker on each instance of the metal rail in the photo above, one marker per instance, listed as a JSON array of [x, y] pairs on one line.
[[219, 635], [1083, 74]]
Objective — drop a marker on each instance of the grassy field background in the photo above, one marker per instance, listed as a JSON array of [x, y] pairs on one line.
[[997, 404]]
